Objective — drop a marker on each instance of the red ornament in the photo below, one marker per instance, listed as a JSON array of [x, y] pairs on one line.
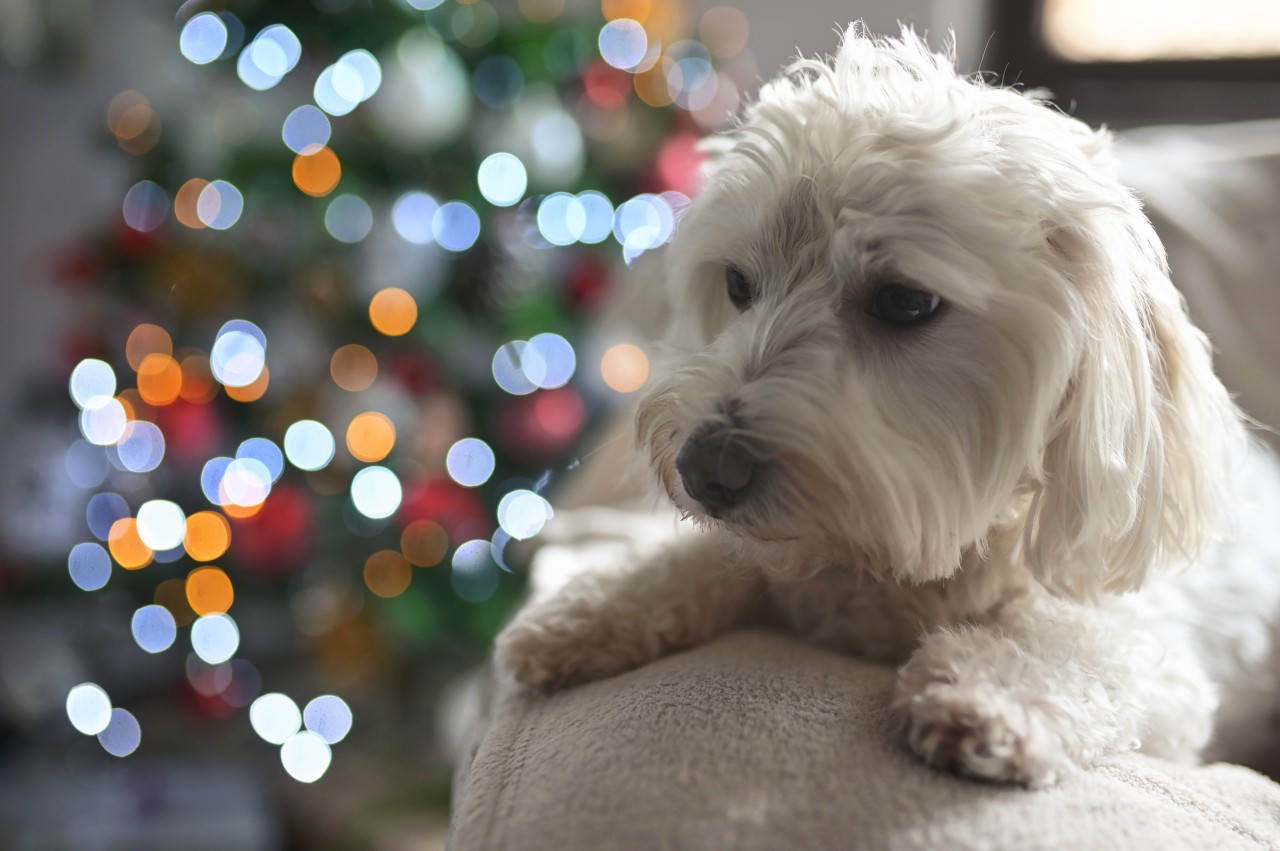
[[458, 509], [276, 539], [541, 428]]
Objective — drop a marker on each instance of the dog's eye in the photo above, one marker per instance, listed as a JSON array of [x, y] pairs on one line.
[[899, 305], [739, 288]]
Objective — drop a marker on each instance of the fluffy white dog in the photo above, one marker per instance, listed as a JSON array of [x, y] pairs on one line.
[[935, 401]]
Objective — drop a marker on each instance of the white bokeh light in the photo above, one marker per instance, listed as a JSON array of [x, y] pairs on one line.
[[470, 462], [376, 492], [122, 735], [91, 379], [474, 573], [623, 43], [306, 130], [89, 566], [309, 445], [219, 205], [237, 358], [145, 206], [599, 213], [89, 708], [306, 757], [265, 452], [211, 476], [455, 226], [329, 717], [141, 447], [412, 216], [556, 358], [246, 482], [215, 638], [512, 364], [103, 421], [523, 513], [154, 628], [503, 179], [562, 220], [348, 218], [161, 524], [275, 717], [203, 38]]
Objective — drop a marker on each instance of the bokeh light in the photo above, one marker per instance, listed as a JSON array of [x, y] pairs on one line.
[[512, 364], [186, 202], [198, 384], [265, 452], [497, 81], [246, 483], [154, 628], [122, 735], [306, 757], [209, 591], [553, 362], [387, 573], [309, 445], [317, 173], [306, 130], [423, 542], [523, 513], [103, 420], [141, 447], [211, 476], [455, 226], [272, 54], [208, 536], [561, 218], [159, 379], [475, 574], [146, 340], [348, 218], [254, 390], [371, 436], [623, 43], [643, 223], [203, 38], [92, 379], [89, 566], [353, 367], [172, 594], [412, 215], [215, 638], [329, 717], [376, 492], [161, 524], [126, 545], [470, 462], [146, 205], [724, 30], [625, 368], [502, 179], [237, 357], [598, 210], [219, 205], [393, 311], [275, 718], [102, 511], [88, 708]]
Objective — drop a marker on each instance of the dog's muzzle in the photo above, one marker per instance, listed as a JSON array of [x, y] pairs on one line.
[[716, 470]]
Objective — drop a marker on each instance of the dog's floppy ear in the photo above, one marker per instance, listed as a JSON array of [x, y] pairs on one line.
[[1136, 467]]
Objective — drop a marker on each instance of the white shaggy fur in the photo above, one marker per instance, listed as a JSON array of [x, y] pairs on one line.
[[994, 498]]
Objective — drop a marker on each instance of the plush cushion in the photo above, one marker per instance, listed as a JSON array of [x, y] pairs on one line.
[[759, 741]]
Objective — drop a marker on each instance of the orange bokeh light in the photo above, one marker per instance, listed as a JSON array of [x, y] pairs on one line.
[[541, 11], [251, 392], [424, 543], [159, 380], [393, 311], [625, 368], [317, 173], [209, 591], [208, 535], [185, 201], [387, 573], [241, 512], [126, 545], [353, 367], [371, 436], [146, 340]]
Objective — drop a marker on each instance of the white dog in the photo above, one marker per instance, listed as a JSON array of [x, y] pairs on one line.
[[936, 402]]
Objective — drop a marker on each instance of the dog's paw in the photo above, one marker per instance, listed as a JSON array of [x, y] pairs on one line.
[[559, 644], [983, 733]]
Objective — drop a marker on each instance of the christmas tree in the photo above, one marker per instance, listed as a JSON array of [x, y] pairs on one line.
[[336, 349]]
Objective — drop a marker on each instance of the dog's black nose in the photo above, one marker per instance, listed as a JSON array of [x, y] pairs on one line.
[[716, 470]]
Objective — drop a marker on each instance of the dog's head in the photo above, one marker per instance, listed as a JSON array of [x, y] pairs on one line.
[[912, 308]]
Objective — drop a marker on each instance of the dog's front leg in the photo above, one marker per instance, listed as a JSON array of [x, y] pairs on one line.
[[604, 623], [1047, 687]]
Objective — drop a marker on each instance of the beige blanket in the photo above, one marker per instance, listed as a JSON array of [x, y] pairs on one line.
[[758, 741]]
